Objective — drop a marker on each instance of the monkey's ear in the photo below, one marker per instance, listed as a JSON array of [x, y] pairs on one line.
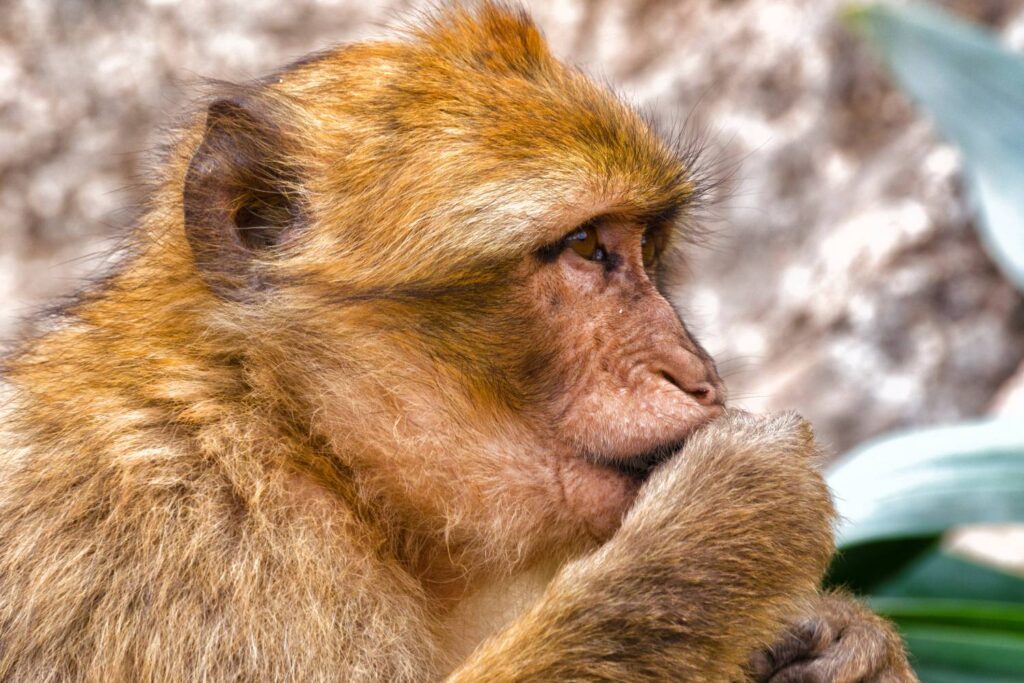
[[239, 195]]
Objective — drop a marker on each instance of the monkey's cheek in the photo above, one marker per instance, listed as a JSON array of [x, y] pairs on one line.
[[597, 495]]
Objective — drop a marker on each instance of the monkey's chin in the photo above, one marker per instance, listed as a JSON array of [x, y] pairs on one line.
[[599, 494], [601, 490]]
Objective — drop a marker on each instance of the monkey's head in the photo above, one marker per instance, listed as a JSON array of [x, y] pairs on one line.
[[444, 255]]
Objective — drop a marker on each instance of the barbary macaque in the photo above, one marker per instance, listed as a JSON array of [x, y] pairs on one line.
[[386, 387]]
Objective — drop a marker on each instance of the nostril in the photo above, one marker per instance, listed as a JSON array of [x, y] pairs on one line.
[[702, 392]]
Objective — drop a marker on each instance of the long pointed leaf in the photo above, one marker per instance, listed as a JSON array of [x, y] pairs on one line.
[[864, 567], [974, 90], [938, 574], [963, 650], [919, 484], [960, 640], [978, 615]]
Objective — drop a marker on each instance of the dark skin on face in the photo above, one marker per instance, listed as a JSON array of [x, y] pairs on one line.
[[638, 382]]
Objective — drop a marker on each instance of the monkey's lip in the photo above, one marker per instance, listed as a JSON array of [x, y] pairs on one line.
[[639, 466]]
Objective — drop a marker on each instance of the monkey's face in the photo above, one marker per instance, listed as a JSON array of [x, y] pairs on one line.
[[454, 243], [632, 382]]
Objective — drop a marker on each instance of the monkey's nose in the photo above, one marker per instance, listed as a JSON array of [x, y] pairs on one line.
[[691, 374]]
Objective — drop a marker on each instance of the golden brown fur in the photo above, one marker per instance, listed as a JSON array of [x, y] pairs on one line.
[[341, 383]]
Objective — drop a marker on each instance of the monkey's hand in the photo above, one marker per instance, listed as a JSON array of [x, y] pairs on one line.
[[722, 545], [837, 640]]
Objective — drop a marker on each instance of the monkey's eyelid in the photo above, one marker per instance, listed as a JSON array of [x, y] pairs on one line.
[[550, 252], [580, 231]]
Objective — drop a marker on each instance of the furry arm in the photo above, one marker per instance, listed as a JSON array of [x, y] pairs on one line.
[[724, 543]]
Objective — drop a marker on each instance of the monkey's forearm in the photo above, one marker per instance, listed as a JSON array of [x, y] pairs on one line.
[[614, 625], [721, 547]]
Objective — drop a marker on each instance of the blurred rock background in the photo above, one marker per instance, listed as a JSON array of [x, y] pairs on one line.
[[841, 275]]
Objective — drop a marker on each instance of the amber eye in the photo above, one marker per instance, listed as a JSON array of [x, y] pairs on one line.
[[649, 248], [584, 241]]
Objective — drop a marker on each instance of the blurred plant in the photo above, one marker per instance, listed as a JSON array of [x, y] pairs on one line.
[[973, 88], [963, 621]]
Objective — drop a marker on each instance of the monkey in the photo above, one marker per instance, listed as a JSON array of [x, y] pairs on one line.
[[387, 386]]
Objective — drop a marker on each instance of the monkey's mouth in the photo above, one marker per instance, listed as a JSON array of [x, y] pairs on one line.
[[639, 466]]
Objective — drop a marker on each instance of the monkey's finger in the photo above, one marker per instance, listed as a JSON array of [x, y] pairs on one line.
[[859, 653], [801, 642], [815, 672], [802, 672]]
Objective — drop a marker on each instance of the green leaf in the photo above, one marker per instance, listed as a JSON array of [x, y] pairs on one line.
[[960, 640], [864, 567], [973, 88], [1004, 618], [918, 484], [940, 675], [938, 574], [980, 655]]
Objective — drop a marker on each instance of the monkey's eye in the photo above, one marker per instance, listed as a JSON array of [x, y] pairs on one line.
[[584, 242], [650, 248]]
